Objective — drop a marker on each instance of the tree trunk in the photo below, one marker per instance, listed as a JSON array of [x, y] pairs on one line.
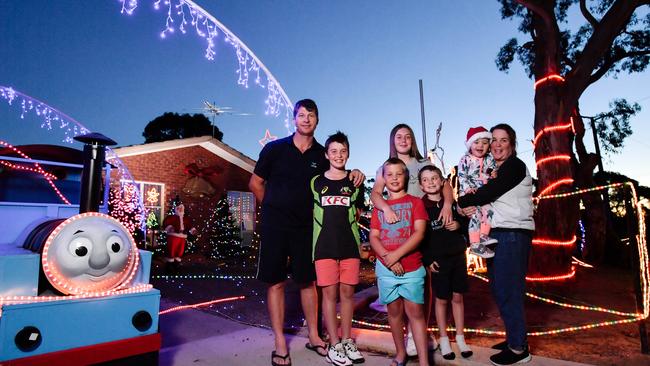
[[555, 219]]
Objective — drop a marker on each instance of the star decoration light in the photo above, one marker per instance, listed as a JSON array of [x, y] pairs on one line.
[[152, 195], [267, 138]]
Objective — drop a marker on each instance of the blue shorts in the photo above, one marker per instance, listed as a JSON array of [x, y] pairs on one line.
[[391, 287]]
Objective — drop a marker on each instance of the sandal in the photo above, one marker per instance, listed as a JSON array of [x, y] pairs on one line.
[[317, 349], [284, 358], [397, 363]]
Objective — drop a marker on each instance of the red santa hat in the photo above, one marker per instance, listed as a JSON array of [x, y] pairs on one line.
[[476, 133]]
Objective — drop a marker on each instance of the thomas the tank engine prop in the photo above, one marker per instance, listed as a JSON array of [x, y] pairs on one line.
[[74, 288]]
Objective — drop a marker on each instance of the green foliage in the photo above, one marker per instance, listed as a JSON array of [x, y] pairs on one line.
[[171, 126], [617, 197], [628, 53], [614, 126]]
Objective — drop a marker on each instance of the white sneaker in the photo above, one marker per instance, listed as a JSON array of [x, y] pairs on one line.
[[487, 240], [336, 355], [352, 351], [481, 250], [445, 349], [410, 346], [465, 351]]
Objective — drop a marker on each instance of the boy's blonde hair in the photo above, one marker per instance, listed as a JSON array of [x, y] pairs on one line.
[[396, 161]]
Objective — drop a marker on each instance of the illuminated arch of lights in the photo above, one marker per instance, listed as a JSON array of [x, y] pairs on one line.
[[186, 16], [50, 119]]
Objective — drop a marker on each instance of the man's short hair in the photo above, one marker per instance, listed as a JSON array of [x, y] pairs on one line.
[[430, 168], [339, 137], [308, 104]]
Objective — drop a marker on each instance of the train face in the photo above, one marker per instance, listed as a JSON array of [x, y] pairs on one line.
[[89, 252]]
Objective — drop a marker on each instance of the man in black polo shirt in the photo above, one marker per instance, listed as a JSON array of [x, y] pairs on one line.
[[281, 182]]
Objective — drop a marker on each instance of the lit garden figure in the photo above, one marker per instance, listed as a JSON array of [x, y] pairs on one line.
[[177, 227]]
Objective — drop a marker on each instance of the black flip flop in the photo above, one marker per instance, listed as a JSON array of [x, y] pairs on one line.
[[285, 357], [316, 349]]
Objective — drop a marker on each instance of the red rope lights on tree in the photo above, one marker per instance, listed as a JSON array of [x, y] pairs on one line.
[[551, 158], [548, 78], [38, 169], [555, 242], [551, 129], [553, 185]]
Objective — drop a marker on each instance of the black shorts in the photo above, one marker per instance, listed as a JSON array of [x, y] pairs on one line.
[[284, 251], [451, 277]]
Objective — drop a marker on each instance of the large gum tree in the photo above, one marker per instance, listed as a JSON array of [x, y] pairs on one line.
[[614, 38]]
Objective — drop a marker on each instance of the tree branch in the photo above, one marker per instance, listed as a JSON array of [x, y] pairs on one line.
[[610, 26], [611, 61], [585, 12], [538, 8]]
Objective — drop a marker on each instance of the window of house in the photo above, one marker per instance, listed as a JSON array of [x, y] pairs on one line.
[[153, 197], [242, 207]]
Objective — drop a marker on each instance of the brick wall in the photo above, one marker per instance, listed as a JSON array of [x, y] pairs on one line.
[[168, 167]]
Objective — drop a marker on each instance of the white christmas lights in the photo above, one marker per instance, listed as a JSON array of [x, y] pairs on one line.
[[185, 14]]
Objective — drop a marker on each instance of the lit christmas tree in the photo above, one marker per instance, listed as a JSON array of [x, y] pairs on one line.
[[224, 233], [152, 221], [153, 226], [124, 205]]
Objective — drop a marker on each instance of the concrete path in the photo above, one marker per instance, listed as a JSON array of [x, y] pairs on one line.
[[194, 337]]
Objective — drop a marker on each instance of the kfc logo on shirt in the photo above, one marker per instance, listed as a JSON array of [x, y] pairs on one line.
[[335, 201]]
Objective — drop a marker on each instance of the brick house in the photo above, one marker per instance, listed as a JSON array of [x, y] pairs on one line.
[[200, 171]]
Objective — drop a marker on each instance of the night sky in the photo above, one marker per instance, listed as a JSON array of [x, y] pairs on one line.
[[360, 61]]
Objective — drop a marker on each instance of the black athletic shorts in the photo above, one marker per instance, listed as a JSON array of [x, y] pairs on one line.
[[284, 251], [451, 277]]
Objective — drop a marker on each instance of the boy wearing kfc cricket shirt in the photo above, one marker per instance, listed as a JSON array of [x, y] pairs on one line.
[[336, 247]]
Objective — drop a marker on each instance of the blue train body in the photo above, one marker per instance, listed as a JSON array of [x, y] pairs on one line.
[[69, 330]]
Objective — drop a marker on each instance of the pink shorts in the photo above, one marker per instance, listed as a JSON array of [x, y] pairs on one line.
[[332, 271]]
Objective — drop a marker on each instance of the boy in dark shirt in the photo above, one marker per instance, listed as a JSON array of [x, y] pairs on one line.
[[335, 248], [443, 250]]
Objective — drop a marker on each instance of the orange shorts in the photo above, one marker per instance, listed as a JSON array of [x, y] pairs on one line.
[[332, 271]]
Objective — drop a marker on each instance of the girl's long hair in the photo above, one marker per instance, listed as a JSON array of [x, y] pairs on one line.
[[415, 153]]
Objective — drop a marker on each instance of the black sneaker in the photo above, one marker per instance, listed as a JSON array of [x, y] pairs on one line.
[[507, 357], [501, 346]]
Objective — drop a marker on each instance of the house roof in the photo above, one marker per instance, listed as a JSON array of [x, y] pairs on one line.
[[207, 142]]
